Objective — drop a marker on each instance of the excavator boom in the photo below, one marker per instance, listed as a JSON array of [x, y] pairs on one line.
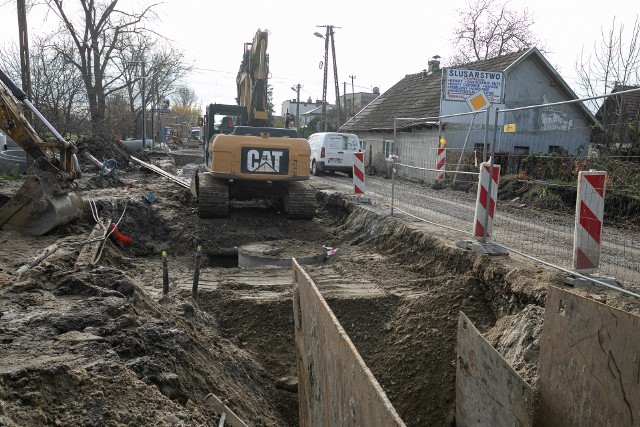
[[44, 201]]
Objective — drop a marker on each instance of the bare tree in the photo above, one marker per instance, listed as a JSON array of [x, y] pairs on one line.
[[612, 68], [96, 31], [488, 29], [185, 96], [164, 68], [615, 61], [57, 90]]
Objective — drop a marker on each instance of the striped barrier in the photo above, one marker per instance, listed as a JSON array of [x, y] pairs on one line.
[[358, 173], [589, 217], [441, 163], [481, 221]]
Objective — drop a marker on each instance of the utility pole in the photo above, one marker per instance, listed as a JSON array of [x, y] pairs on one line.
[[144, 104], [326, 37], [24, 53], [353, 107], [296, 89], [344, 91], [153, 106], [144, 110]]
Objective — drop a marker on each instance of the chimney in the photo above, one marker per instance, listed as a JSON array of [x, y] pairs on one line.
[[433, 64]]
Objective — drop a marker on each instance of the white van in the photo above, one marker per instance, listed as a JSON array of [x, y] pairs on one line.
[[333, 152]]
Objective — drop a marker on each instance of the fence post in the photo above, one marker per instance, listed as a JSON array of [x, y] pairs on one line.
[[393, 180], [486, 201], [358, 173], [485, 206], [441, 163], [589, 217]]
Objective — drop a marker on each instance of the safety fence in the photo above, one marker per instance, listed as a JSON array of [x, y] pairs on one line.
[[542, 151]]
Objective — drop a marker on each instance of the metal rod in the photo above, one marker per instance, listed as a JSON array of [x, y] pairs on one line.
[[565, 270], [486, 214], [464, 146], [196, 273], [486, 135], [165, 274]]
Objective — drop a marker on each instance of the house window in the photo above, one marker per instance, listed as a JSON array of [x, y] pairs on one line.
[[388, 148], [556, 149], [520, 150]]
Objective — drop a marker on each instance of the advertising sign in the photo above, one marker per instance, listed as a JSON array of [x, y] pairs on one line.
[[460, 84]]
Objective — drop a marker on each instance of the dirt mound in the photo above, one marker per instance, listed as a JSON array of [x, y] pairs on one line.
[[103, 151]]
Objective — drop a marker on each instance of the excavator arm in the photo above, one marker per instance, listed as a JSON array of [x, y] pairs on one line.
[[252, 80], [44, 201]]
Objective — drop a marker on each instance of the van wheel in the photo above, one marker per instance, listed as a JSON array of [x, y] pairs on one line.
[[314, 169]]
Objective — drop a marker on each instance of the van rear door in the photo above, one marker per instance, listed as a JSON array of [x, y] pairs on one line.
[[335, 145], [352, 145]]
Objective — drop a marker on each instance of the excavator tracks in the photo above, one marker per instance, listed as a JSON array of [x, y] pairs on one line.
[[213, 197], [300, 201]]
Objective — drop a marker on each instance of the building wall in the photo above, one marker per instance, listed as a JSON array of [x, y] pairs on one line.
[[290, 105], [539, 130], [360, 100], [414, 149]]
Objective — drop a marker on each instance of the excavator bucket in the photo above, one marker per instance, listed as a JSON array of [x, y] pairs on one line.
[[39, 206], [44, 201]]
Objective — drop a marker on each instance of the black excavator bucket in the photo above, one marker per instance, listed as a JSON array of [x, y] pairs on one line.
[[40, 206]]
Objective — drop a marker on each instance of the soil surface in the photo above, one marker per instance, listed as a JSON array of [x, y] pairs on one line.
[[102, 344]]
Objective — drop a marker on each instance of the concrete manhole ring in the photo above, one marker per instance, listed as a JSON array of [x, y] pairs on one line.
[[279, 252]]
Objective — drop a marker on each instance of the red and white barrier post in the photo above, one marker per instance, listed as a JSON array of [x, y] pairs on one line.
[[589, 217], [441, 163], [485, 206], [358, 173]]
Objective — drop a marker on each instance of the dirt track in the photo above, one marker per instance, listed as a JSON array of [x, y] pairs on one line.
[[102, 346]]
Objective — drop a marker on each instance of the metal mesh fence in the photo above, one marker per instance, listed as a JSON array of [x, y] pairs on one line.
[[541, 149]]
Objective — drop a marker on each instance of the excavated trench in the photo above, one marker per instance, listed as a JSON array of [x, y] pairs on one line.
[[397, 290], [111, 348]]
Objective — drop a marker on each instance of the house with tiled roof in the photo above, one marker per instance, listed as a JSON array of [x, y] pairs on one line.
[[415, 109]]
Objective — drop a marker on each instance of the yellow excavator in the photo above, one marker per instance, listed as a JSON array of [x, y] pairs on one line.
[[246, 159], [45, 200]]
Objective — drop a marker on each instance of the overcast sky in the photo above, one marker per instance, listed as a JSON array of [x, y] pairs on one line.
[[378, 43]]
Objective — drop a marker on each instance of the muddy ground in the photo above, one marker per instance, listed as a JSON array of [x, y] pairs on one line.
[[103, 346]]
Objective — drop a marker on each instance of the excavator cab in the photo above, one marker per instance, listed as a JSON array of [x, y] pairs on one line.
[[226, 125]]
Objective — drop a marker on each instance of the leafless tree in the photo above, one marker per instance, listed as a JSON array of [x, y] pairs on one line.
[[185, 96], [488, 28], [164, 69], [615, 61], [614, 67], [56, 90], [120, 120], [96, 30]]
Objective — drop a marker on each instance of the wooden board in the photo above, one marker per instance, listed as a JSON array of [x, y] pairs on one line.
[[335, 387], [589, 364], [489, 392]]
